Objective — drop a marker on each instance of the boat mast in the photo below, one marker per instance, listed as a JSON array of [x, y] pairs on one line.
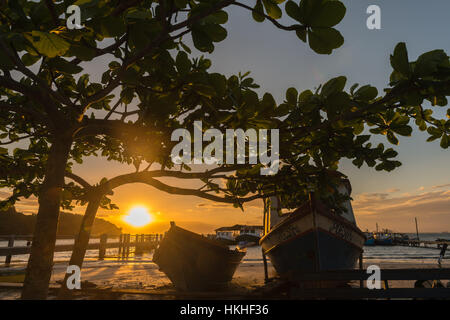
[[417, 229]]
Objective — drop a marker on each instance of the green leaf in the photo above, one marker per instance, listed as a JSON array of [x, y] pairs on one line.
[[138, 14], [366, 93], [272, 9], [219, 17], [291, 95], [399, 60], [304, 96], [444, 141], [202, 41], [392, 138], [353, 87], [403, 130], [301, 34], [63, 66], [358, 128], [323, 41], [329, 14], [219, 82], [48, 44], [183, 63], [215, 32], [113, 27], [293, 10], [333, 86], [29, 59], [5, 61], [428, 63], [82, 52], [181, 4], [258, 12]]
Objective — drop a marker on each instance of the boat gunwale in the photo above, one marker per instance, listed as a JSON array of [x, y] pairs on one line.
[[205, 243], [311, 230], [304, 211]]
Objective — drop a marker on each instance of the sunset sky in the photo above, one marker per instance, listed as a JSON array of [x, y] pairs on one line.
[[278, 60]]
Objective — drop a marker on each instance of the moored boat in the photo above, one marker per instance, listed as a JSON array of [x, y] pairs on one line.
[[193, 262], [370, 240], [312, 238], [384, 239]]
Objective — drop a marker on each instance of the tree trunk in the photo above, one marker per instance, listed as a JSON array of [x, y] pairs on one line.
[[40, 263], [81, 242]]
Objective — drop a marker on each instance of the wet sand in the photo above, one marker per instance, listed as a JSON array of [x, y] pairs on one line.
[[146, 276]]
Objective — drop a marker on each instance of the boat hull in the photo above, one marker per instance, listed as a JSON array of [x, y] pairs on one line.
[[194, 263], [384, 242], [312, 240]]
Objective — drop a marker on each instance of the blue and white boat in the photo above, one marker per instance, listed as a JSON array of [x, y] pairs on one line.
[[370, 240], [384, 238], [311, 238]]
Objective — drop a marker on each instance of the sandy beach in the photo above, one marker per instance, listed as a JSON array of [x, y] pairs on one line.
[[146, 276]]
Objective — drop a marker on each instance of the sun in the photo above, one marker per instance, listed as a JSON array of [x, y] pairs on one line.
[[138, 216]]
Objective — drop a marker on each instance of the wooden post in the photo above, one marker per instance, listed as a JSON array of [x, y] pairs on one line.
[[120, 245], [10, 245], [417, 230], [361, 282], [102, 247], [128, 244], [266, 273]]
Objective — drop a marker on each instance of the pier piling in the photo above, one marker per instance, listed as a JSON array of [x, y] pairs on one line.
[[102, 247], [10, 245]]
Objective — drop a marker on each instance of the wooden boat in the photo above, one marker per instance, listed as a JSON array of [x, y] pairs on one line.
[[193, 262], [384, 239], [370, 240], [312, 238], [248, 238]]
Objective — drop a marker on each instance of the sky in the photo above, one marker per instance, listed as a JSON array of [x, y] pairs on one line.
[[278, 60]]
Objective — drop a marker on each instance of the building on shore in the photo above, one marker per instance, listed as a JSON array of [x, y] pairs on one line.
[[239, 230]]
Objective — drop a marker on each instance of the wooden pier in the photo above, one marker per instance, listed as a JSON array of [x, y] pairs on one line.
[[436, 244], [141, 243]]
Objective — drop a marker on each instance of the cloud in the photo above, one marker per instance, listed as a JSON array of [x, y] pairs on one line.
[[212, 205], [372, 196], [258, 204], [432, 208], [441, 186], [393, 190]]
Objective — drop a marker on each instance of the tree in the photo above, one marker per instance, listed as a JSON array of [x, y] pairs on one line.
[[63, 116]]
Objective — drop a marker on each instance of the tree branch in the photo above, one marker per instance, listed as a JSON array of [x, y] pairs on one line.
[[21, 67], [164, 36], [78, 180], [293, 27], [51, 8]]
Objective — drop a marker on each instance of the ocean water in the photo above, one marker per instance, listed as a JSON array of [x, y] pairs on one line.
[[388, 254], [372, 254]]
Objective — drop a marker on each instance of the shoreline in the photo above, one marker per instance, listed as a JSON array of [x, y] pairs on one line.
[[145, 277]]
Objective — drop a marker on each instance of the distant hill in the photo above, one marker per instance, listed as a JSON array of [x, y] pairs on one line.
[[13, 222]]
